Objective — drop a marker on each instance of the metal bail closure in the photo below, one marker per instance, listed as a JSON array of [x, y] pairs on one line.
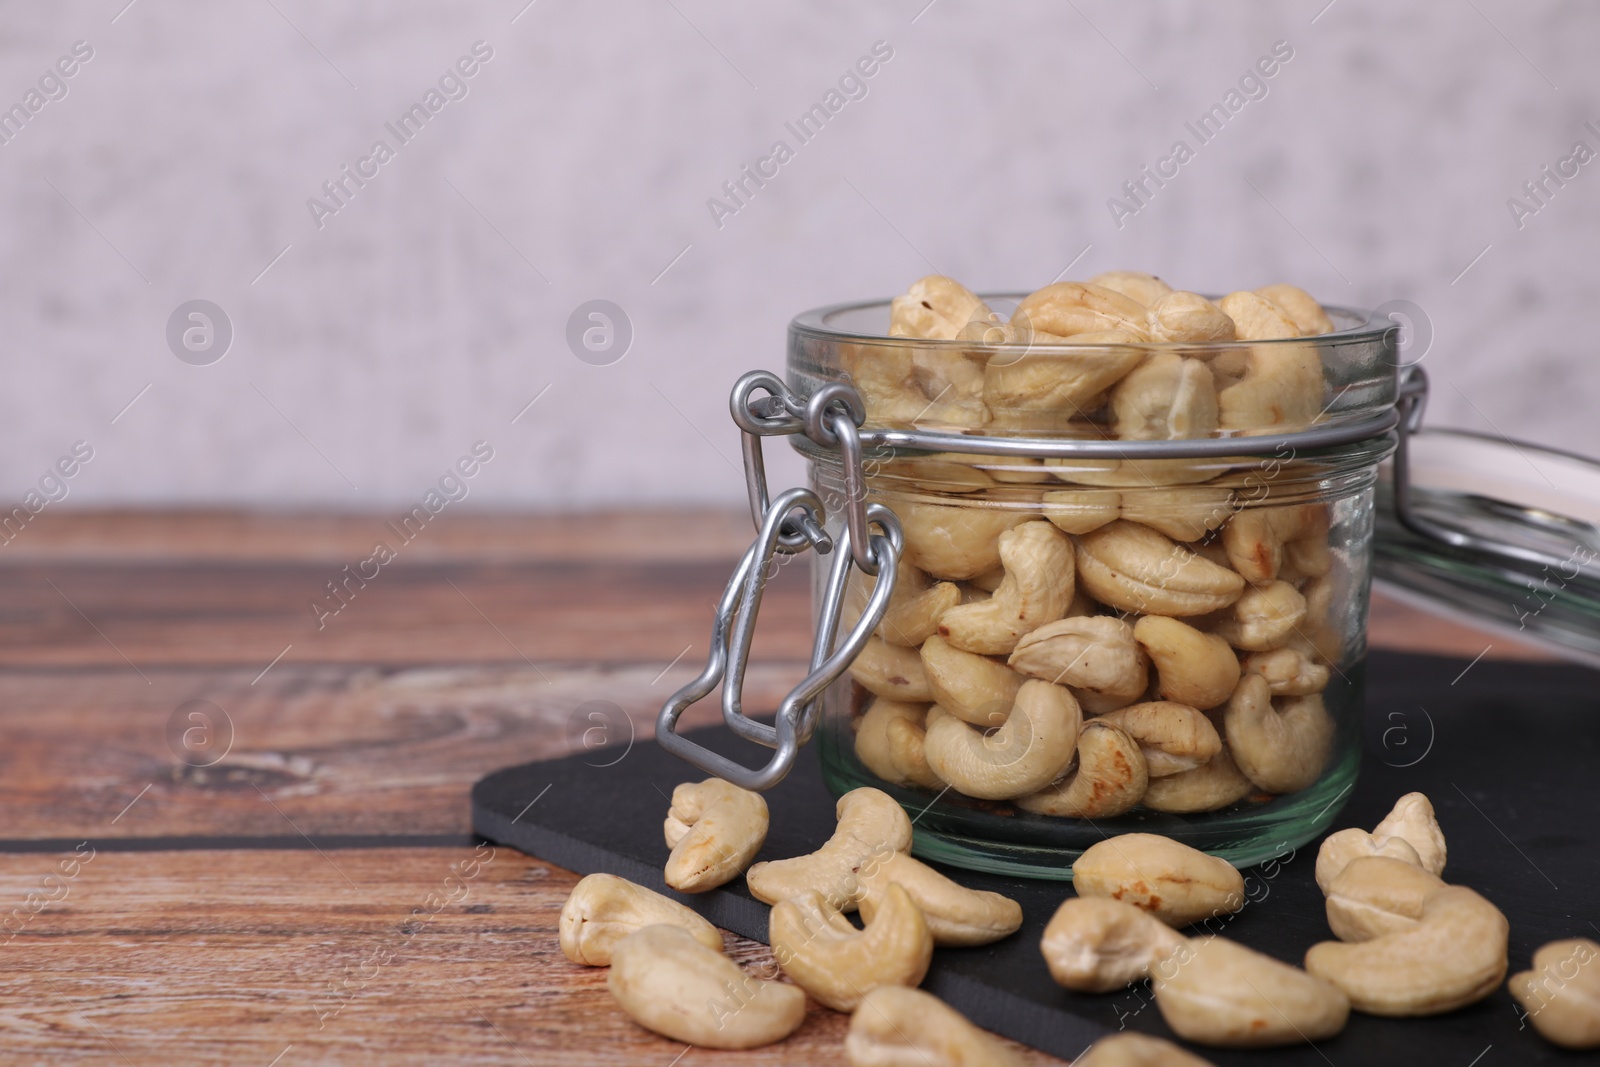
[[734, 625]]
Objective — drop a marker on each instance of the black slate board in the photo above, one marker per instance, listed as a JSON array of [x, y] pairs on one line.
[[1508, 753]]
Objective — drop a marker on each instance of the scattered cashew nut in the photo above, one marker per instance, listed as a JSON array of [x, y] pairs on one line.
[[1217, 992], [955, 914], [1038, 585], [1561, 995], [1454, 956], [1098, 945], [1110, 779], [899, 1027], [1192, 667], [1410, 832], [1377, 895], [1280, 744], [672, 984], [603, 909], [714, 829], [870, 823], [1129, 1049], [1177, 884], [1029, 751], [836, 963]]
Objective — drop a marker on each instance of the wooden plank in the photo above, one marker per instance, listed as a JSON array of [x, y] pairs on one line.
[[421, 956], [321, 750], [147, 615], [65, 533]]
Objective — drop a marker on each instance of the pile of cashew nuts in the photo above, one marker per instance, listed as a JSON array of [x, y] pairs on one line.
[[1409, 944], [1142, 640]]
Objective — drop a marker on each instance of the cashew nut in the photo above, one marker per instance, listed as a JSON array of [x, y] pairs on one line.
[[1177, 884], [1256, 538], [1185, 514], [1410, 832], [956, 915], [915, 607], [1561, 995], [1217, 992], [1094, 654], [1344, 847], [1289, 671], [900, 1027], [889, 743], [1031, 750], [1136, 285], [1110, 779], [1173, 737], [603, 909], [1047, 389], [1066, 309], [870, 824], [971, 687], [1255, 318], [1165, 397], [1207, 788], [955, 542], [1038, 561], [1281, 388], [1078, 511], [1134, 568], [1302, 307], [1192, 667], [1324, 630], [907, 383], [1188, 317], [714, 829], [670, 983], [1281, 745], [1129, 1049], [1376, 895], [1454, 956], [836, 963], [1264, 617], [936, 308], [891, 671], [1098, 945]]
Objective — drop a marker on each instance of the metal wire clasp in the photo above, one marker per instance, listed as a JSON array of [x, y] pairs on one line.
[[787, 525]]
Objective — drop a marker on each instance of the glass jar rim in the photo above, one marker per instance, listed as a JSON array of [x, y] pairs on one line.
[[819, 324]]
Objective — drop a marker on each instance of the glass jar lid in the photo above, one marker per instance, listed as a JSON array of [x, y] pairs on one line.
[[1500, 532]]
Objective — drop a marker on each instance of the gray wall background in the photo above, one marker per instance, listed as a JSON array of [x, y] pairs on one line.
[[433, 307]]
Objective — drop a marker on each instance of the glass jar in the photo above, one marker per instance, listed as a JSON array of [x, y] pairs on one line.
[[1133, 589]]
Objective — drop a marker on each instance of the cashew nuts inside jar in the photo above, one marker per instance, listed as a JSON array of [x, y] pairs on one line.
[[1137, 540]]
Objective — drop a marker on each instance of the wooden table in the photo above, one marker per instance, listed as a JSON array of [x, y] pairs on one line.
[[316, 895]]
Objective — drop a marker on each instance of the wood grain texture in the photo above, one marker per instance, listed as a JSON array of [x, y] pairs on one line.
[[416, 956], [486, 643], [315, 750]]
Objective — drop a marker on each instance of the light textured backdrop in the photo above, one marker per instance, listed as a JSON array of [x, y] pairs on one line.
[[430, 309]]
